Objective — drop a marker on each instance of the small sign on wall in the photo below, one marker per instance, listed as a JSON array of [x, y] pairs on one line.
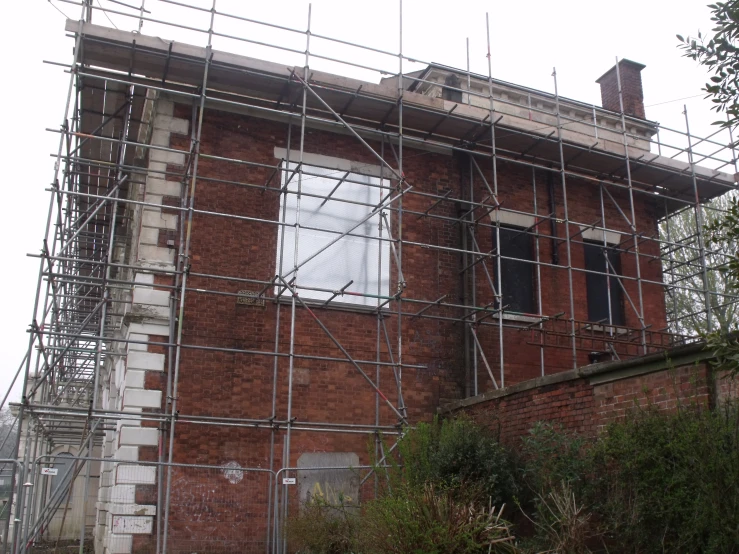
[[249, 298], [288, 480], [133, 525], [49, 471]]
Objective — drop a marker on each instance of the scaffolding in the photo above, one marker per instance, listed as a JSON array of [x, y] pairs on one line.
[[85, 282]]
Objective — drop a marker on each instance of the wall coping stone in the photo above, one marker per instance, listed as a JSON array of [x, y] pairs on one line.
[[599, 373]]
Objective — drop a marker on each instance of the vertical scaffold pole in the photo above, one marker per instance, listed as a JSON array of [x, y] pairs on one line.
[[671, 272], [605, 255], [635, 234], [494, 160], [272, 501], [538, 273], [401, 184], [185, 272], [563, 175], [296, 266], [698, 211]]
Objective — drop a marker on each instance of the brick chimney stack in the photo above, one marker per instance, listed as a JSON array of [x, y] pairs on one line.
[[630, 85]]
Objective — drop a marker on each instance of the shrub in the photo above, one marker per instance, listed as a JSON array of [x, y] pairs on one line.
[[554, 469], [551, 456], [563, 524], [670, 482], [458, 455], [322, 528], [431, 521]]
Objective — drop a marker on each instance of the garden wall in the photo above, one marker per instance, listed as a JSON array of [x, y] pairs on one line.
[[587, 399]]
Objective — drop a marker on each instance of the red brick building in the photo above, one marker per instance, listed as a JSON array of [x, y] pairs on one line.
[[302, 262]]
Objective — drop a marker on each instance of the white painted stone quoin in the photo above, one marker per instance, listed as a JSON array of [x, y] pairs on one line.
[[119, 518]]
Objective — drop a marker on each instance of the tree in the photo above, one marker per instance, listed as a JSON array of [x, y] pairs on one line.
[[720, 55], [726, 231], [8, 426], [684, 268]]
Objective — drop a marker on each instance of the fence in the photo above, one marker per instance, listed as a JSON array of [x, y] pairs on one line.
[[140, 506]]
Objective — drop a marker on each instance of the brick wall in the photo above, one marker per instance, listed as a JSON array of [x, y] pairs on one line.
[[588, 399], [223, 383]]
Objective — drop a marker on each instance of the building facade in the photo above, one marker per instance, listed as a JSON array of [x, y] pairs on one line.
[[296, 265]]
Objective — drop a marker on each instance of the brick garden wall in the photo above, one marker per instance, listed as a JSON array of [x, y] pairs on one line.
[[588, 399]]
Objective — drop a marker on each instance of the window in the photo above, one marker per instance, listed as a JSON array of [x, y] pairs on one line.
[[598, 284], [333, 202], [517, 276]]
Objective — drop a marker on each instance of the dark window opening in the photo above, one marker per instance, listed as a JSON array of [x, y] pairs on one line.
[[450, 93], [517, 275], [599, 284]]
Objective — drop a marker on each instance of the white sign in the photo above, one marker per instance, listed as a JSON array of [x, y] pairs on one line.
[[288, 480], [49, 471], [133, 525]]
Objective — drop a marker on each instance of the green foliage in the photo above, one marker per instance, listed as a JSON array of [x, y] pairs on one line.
[[562, 523], [458, 455], [654, 482], [322, 528], [554, 472], [426, 520], [668, 482], [720, 55], [437, 499], [552, 456], [726, 351]]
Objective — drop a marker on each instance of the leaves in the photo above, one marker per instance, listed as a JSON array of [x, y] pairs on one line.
[[720, 55], [670, 475]]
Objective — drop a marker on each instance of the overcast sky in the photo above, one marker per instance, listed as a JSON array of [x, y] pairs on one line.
[[580, 37]]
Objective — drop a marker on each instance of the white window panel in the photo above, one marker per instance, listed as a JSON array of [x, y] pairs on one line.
[[362, 259]]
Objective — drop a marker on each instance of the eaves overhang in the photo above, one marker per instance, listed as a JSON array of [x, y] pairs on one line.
[[112, 55]]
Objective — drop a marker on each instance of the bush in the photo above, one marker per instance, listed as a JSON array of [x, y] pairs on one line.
[[431, 521], [437, 498], [458, 455], [563, 524], [655, 482], [322, 528], [670, 482], [554, 476], [551, 456]]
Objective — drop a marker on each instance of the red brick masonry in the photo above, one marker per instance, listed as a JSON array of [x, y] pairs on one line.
[[587, 399]]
